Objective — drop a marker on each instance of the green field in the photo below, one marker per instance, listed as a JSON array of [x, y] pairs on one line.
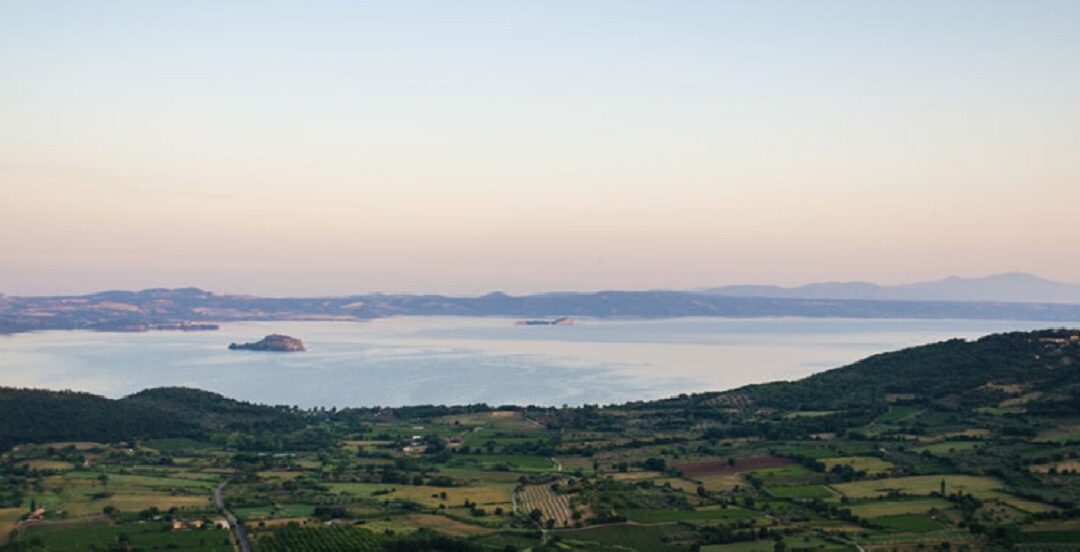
[[899, 507], [907, 523], [507, 461], [868, 464], [637, 537], [149, 536], [946, 448], [920, 485], [801, 491], [274, 511], [668, 516]]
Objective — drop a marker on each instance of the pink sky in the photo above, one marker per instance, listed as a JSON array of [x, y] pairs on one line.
[[351, 149]]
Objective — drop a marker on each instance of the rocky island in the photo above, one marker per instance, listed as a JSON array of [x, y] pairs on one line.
[[274, 342]]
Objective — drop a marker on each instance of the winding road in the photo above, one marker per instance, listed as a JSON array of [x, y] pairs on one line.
[[234, 524]]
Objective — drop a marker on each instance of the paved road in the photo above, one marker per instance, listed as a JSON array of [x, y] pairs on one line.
[[234, 524]]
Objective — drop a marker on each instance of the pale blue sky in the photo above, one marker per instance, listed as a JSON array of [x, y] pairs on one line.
[[334, 147]]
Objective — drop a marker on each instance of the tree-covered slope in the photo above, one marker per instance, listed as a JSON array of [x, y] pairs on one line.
[[34, 416], [972, 373]]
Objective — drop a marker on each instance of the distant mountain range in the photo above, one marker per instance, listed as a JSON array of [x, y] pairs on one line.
[[189, 309], [1015, 287]]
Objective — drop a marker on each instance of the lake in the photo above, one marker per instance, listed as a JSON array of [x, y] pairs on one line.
[[458, 360]]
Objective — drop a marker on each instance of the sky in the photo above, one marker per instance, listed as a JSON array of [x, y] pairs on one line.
[[330, 148]]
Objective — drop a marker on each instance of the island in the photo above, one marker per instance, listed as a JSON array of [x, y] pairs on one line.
[[275, 342]]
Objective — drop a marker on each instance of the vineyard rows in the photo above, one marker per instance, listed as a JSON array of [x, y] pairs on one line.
[[552, 505]]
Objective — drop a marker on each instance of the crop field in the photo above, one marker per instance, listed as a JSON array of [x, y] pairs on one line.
[[898, 413], [899, 507], [274, 511], [504, 462], [793, 474], [178, 444], [1065, 434], [655, 538], [868, 464], [920, 485], [493, 494], [801, 491], [945, 448], [48, 465], [1059, 467], [727, 467], [149, 536], [683, 485], [8, 517], [721, 483], [1023, 504], [907, 523], [506, 421], [432, 522], [553, 506], [671, 516]]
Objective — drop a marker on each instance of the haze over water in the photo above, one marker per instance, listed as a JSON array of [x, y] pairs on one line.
[[457, 360]]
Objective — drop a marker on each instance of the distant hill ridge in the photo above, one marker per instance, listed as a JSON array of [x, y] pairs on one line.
[[1016, 287], [1004, 297]]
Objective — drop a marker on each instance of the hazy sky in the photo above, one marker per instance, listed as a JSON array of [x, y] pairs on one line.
[[461, 147]]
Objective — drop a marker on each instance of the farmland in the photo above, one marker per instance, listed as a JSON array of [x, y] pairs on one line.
[[553, 506]]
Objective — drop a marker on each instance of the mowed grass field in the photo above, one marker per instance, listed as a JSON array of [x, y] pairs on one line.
[[491, 494], [868, 464], [899, 507], [980, 487]]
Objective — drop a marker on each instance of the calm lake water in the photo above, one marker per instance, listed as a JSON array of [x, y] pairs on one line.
[[456, 360]]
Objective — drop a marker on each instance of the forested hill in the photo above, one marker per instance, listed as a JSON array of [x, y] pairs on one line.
[[34, 416], [1045, 365]]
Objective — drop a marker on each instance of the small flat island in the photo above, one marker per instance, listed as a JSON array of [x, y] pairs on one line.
[[274, 342]]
